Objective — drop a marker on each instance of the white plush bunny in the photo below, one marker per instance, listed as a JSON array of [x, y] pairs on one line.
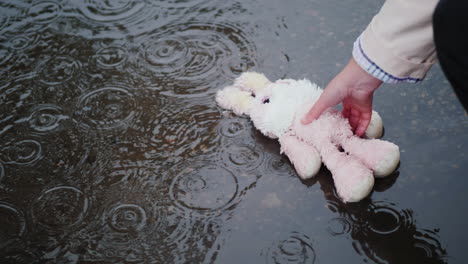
[[276, 109]]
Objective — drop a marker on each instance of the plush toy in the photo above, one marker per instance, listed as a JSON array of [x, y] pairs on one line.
[[276, 110]]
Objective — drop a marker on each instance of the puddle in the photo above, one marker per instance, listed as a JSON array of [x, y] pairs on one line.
[[112, 148]]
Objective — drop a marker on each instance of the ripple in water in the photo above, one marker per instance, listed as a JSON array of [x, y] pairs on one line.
[[5, 56], [204, 187], [296, 248], [428, 247], [234, 127], [339, 226], [12, 223], [279, 164], [242, 157], [180, 3], [4, 19], [22, 42], [2, 172], [190, 57], [385, 220], [22, 152], [107, 18], [57, 70], [60, 207], [184, 131], [46, 118], [110, 11], [105, 108], [17, 255], [127, 218], [111, 57], [44, 12]]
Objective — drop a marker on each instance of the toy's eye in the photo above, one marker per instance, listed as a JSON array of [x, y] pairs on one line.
[[253, 95], [266, 101]]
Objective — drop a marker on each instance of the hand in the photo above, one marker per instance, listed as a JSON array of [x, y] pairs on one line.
[[354, 87]]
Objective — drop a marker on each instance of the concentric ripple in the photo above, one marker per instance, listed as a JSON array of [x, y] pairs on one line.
[[111, 57], [44, 11], [127, 218], [12, 223], [107, 107], [384, 219], [204, 187], [22, 152], [234, 127], [191, 57], [46, 118], [22, 42], [107, 18], [57, 70], [339, 226], [279, 164], [382, 229], [180, 3], [428, 246], [110, 11], [242, 157], [182, 130], [296, 248], [60, 207]]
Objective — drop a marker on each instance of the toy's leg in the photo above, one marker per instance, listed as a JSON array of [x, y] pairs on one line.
[[375, 128], [382, 157], [305, 157], [353, 180]]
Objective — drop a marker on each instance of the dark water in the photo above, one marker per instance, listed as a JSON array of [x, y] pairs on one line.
[[112, 149]]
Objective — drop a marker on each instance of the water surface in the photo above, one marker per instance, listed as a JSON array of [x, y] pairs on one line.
[[112, 149]]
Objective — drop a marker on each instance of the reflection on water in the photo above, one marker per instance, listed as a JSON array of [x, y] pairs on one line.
[[378, 229], [296, 248], [112, 149]]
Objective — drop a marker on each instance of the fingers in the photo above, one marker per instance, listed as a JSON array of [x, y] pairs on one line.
[[346, 111], [329, 98], [363, 124], [354, 119], [359, 121]]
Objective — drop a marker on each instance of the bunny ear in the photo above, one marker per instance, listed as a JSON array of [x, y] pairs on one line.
[[234, 99], [252, 82]]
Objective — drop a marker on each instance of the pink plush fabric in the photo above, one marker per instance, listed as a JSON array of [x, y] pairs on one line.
[[276, 110], [351, 169], [305, 158]]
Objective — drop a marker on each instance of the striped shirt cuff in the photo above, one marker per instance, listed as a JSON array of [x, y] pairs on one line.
[[373, 69]]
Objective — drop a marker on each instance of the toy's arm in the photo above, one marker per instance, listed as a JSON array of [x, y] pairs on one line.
[[304, 157]]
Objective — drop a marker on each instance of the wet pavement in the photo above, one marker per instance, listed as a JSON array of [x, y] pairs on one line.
[[112, 149]]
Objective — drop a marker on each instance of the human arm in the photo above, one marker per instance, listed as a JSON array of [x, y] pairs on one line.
[[397, 46], [354, 87]]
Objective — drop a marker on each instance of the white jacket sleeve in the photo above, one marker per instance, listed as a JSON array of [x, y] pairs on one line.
[[397, 45]]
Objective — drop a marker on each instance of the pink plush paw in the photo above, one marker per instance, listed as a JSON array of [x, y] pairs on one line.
[[382, 157], [304, 157], [388, 162], [353, 180]]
